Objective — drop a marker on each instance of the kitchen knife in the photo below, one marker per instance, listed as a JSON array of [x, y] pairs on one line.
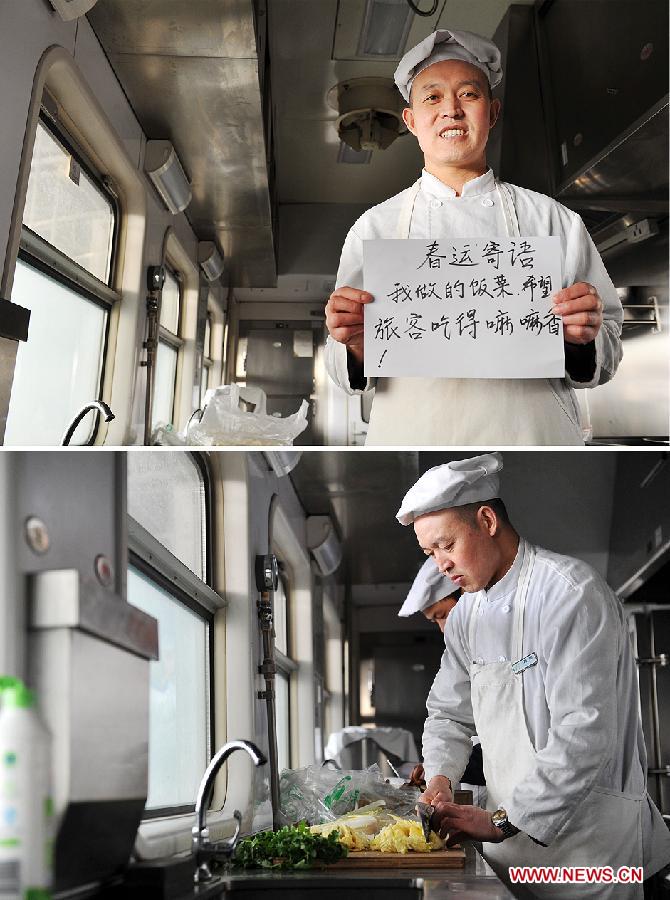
[[424, 812]]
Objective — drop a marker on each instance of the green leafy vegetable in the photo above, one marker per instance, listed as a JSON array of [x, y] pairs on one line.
[[289, 848]]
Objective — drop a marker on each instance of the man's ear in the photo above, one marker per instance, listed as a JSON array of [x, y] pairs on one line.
[[489, 519], [408, 118], [494, 112]]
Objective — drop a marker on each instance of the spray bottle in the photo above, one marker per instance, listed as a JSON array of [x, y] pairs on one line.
[[26, 808]]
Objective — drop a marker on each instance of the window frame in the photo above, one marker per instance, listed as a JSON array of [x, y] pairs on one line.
[[113, 147], [37, 253], [175, 257], [150, 557], [51, 122], [175, 341], [207, 362]]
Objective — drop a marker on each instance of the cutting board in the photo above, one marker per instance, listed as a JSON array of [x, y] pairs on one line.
[[375, 859]]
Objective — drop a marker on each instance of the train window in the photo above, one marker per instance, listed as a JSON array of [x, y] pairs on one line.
[[176, 517], [207, 361], [280, 618], [169, 344], [67, 208], [65, 265], [167, 577], [179, 723], [285, 666]]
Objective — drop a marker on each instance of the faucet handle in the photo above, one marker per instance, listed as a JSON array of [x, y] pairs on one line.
[[228, 845]]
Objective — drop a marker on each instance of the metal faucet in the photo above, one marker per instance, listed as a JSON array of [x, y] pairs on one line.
[[95, 404], [203, 850]]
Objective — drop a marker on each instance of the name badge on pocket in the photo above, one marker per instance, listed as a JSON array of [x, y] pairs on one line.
[[525, 663]]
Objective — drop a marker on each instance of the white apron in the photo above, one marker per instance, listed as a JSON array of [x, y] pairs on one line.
[[606, 830], [528, 411]]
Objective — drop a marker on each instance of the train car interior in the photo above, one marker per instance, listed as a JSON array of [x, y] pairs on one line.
[[206, 626], [177, 179]]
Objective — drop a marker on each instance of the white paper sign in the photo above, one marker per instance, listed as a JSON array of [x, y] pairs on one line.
[[464, 308]]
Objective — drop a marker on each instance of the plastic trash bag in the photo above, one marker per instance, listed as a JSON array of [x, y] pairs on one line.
[[224, 423], [318, 795]]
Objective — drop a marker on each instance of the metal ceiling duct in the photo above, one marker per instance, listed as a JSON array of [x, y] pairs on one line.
[[191, 71]]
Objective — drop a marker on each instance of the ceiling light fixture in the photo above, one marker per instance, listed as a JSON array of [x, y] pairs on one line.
[[386, 25], [162, 165]]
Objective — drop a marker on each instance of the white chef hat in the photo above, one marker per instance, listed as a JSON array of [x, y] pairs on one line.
[[429, 586], [440, 45], [456, 483]]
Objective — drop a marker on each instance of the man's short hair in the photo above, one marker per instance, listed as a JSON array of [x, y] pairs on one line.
[[469, 510]]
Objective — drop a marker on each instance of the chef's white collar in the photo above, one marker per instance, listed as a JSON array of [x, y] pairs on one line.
[[482, 184], [507, 584]]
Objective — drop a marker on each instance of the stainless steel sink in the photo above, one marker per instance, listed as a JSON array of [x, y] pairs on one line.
[[320, 886]]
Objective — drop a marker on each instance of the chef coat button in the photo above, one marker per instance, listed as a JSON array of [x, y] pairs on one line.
[[487, 201], [502, 659], [436, 204], [480, 660], [506, 608], [480, 611]]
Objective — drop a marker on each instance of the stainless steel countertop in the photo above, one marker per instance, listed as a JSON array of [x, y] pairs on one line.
[[475, 880]]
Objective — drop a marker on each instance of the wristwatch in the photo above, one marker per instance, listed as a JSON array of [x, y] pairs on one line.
[[500, 820]]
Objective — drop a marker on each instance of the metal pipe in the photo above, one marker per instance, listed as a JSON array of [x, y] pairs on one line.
[[151, 346], [656, 724], [100, 407], [268, 669]]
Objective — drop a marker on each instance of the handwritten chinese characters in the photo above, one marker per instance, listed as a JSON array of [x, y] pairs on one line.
[[463, 308]]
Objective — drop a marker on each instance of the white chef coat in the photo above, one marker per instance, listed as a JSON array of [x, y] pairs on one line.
[[580, 700], [474, 412]]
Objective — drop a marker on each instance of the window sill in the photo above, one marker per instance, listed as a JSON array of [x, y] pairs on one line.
[[158, 838]]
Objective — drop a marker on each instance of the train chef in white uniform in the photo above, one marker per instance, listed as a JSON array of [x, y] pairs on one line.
[[435, 596], [538, 662], [447, 81]]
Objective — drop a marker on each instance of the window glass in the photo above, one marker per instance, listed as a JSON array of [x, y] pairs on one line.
[[207, 349], [170, 298], [166, 495], [283, 721], [58, 369], [66, 208], [280, 618], [164, 383], [204, 382], [179, 703]]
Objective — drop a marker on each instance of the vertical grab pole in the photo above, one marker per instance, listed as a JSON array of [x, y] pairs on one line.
[[267, 576]]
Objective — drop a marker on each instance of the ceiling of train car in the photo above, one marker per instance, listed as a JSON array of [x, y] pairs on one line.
[[548, 496], [311, 48], [190, 70]]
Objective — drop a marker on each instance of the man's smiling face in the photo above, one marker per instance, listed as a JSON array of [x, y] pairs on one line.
[[451, 115]]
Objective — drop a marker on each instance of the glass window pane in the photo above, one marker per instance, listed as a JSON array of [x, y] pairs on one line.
[[66, 208], [207, 350], [170, 297], [283, 721], [58, 368], [166, 495], [178, 711], [204, 382], [280, 618], [164, 383]]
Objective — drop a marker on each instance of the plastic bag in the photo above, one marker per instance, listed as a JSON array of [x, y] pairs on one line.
[[319, 795], [223, 422]]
